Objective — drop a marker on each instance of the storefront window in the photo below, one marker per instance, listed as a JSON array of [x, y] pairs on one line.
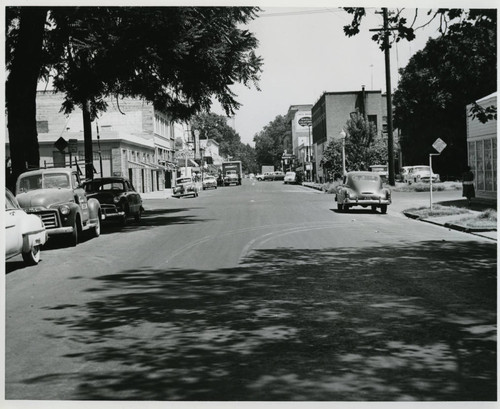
[[488, 175], [480, 183]]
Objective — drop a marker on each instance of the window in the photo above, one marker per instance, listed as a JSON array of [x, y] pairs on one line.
[[372, 119]]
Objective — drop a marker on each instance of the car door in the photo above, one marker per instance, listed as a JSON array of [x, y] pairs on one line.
[[13, 232]]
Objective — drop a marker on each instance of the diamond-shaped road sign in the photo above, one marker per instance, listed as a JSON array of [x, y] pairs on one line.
[[61, 144], [439, 145]]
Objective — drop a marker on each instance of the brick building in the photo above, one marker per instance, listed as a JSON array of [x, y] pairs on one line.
[[130, 139], [331, 113]]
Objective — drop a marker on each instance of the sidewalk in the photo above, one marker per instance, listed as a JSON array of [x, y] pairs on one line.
[[159, 194]]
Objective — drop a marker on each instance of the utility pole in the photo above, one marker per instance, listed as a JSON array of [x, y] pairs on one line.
[[390, 135]]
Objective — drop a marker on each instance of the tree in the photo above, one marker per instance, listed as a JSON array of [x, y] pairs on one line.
[[213, 126], [23, 46], [449, 73], [363, 148], [178, 58], [268, 142]]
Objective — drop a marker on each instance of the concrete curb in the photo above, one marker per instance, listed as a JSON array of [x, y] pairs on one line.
[[457, 227]]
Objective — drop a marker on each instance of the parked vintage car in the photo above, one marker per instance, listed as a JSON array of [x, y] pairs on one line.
[[185, 187], [363, 189], [118, 198], [290, 177], [56, 196], [209, 182], [418, 173], [277, 175], [25, 233]]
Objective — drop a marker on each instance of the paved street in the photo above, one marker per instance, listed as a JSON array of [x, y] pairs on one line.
[[257, 292]]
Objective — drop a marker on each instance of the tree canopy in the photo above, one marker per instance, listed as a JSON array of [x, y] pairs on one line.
[[269, 142], [451, 72], [178, 58]]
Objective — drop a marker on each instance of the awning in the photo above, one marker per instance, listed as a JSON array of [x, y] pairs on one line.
[[142, 165], [182, 162]]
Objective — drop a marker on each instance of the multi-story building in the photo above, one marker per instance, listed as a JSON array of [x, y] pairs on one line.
[[130, 139], [482, 150], [331, 113], [298, 118]]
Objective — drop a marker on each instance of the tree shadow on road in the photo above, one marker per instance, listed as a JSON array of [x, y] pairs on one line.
[[382, 323]]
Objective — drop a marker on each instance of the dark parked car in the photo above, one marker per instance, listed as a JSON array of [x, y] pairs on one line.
[[119, 200], [363, 189]]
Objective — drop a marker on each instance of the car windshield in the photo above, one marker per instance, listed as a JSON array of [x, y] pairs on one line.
[[209, 179], [183, 180], [44, 181], [290, 173], [421, 168], [99, 186], [231, 172]]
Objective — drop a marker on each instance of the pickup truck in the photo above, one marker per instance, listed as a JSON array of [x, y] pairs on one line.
[[56, 196]]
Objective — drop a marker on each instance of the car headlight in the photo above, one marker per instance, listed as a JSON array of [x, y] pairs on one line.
[[116, 199], [65, 210]]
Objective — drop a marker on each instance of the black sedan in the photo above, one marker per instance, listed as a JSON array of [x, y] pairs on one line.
[[118, 198]]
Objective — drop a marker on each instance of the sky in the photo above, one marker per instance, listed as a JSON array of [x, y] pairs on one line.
[[306, 53]]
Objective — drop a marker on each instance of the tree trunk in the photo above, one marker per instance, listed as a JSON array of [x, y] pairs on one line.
[[20, 92], [87, 137]]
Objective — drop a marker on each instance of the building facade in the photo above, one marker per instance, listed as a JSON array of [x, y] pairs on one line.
[[482, 151], [298, 118], [130, 139], [331, 113]]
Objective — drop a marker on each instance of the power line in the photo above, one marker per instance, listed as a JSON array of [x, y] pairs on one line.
[[301, 12]]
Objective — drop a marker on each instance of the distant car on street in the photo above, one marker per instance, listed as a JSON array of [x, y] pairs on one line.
[[363, 189], [290, 177], [25, 233], [271, 176], [185, 187], [418, 173], [118, 198], [209, 182]]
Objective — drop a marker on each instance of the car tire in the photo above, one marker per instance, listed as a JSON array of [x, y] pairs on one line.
[[383, 209], [75, 234], [340, 207], [124, 219], [138, 216], [374, 208], [32, 257]]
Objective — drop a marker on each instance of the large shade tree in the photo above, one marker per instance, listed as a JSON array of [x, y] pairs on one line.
[[269, 142], [451, 72], [178, 58]]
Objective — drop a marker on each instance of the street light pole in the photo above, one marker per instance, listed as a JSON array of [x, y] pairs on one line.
[[342, 136]]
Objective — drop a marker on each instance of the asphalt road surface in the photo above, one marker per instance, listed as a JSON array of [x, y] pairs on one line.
[[260, 292]]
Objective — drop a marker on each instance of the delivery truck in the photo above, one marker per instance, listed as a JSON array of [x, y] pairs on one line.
[[232, 172]]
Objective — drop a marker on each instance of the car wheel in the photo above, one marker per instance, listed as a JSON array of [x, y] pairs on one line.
[[32, 256], [383, 209], [75, 235], [374, 208], [340, 206], [124, 219], [138, 216]]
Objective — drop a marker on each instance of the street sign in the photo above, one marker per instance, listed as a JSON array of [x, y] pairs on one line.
[[305, 121], [61, 144], [439, 145], [73, 145]]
